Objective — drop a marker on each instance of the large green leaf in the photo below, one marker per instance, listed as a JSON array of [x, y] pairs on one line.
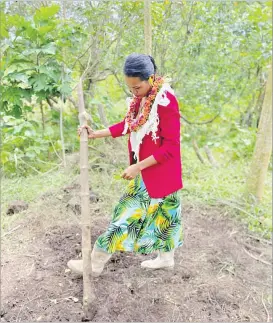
[[3, 31], [5, 156], [13, 95], [53, 72], [39, 82], [30, 32], [17, 21], [65, 89], [49, 48], [44, 13], [46, 29], [31, 51], [18, 77]]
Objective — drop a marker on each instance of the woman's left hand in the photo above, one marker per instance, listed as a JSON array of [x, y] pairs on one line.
[[131, 172]]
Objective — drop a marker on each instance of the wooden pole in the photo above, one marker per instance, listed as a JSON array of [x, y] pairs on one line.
[[89, 305], [147, 27]]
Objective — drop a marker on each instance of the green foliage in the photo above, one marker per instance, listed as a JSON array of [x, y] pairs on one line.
[[27, 149], [217, 54], [22, 146], [31, 188], [225, 187], [33, 60]]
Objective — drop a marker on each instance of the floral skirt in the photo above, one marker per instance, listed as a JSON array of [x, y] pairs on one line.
[[142, 224]]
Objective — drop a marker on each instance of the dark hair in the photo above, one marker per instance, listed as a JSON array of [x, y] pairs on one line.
[[139, 65]]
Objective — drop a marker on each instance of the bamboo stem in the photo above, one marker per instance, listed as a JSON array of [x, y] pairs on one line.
[[88, 287]]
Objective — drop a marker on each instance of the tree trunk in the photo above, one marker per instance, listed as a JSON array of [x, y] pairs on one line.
[[148, 27], [62, 133], [259, 105], [61, 115], [210, 157], [89, 306], [102, 115], [43, 116], [263, 146], [197, 151]]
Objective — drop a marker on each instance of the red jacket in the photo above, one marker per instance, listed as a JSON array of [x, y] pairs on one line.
[[165, 177]]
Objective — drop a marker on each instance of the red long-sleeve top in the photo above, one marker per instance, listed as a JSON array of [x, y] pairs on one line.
[[165, 177]]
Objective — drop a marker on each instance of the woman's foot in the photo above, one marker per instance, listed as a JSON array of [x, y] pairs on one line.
[[99, 258], [163, 260]]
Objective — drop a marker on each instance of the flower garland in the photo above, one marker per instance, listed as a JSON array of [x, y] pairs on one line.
[[135, 124]]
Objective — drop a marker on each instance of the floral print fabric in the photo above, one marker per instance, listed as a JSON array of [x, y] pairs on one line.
[[142, 224]]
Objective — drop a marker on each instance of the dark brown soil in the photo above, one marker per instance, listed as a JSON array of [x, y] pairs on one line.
[[216, 276]]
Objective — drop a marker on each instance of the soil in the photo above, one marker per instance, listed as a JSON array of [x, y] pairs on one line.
[[222, 272]]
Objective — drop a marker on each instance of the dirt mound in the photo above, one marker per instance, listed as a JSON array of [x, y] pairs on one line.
[[216, 276]]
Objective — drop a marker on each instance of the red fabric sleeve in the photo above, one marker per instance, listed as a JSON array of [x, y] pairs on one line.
[[117, 129], [170, 131]]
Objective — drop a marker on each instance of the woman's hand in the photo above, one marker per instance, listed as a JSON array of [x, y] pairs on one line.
[[90, 131], [131, 172]]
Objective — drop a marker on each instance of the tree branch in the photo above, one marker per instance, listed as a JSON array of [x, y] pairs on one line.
[[79, 57], [120, 83], [73, 102], [201, 123], [52, 105]]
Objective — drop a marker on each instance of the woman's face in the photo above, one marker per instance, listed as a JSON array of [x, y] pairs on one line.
[[137, 87]]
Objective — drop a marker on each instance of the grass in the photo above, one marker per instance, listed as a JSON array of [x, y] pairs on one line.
[[225, 186], [31, 188], [203, 185]]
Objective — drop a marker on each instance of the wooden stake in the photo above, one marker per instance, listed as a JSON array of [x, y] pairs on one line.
[[89, 306]]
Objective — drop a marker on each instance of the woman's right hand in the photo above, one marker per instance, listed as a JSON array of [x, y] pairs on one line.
[[90, 131]]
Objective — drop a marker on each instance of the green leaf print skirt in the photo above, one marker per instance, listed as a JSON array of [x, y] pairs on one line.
[[142, 224]]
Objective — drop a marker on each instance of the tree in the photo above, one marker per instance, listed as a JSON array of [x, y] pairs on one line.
[[32, 60], [33, 67], [147, 27], [263, 147]]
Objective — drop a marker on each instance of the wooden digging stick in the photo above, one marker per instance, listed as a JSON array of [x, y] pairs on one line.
[[89, 304]]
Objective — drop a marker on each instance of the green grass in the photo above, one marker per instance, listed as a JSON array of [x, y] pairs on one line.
[[29, 189], [225, 186]]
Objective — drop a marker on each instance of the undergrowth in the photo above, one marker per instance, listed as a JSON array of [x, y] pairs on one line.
[[203, 185]]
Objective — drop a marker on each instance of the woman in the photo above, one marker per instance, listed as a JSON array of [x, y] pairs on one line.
[[148, 216]]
